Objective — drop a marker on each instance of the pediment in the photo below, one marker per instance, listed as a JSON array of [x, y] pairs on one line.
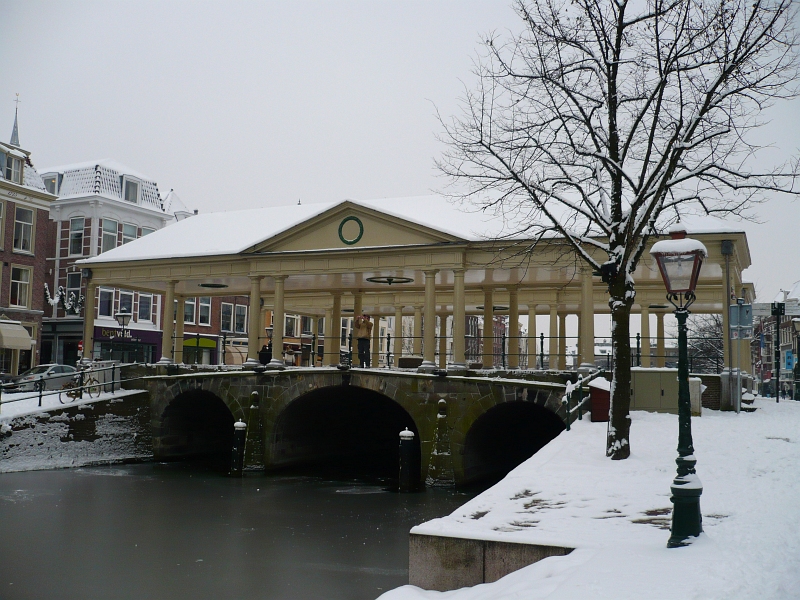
[[349, 225]]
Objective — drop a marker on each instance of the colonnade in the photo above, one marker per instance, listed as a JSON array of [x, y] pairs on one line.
[[533, 302]]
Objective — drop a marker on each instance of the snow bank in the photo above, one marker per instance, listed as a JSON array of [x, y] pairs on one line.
[[617, 513]]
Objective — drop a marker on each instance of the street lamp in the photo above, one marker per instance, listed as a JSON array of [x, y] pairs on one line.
[[679, 260], [123, 318]]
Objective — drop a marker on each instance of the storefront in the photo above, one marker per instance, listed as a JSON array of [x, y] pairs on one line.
[[200, 349], [136, 345], [15, 347]]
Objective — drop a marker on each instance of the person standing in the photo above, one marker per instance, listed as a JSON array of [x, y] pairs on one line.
[[363, 332]]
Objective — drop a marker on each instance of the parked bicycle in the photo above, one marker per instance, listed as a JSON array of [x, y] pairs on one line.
[[72, 389]]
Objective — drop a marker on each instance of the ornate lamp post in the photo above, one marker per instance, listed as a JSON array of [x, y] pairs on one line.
[[123, 318], [679, 260]]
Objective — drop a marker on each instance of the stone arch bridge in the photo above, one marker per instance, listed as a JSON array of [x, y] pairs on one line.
[[485, 426]]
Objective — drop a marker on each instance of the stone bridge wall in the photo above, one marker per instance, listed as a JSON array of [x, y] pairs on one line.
[[467, 399]]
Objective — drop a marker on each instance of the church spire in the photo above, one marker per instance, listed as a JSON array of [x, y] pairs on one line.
[[15, 132]]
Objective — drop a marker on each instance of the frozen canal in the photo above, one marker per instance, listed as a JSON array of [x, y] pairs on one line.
[[170, 531]]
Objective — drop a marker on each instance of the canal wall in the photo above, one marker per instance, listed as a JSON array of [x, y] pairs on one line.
[[96, 432], [448, 563]]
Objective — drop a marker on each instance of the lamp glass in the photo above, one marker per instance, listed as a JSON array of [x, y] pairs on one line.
[[680, 271], [796, 323], [123, 319]]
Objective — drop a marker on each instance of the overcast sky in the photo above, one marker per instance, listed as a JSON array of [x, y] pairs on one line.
[[245, 104]]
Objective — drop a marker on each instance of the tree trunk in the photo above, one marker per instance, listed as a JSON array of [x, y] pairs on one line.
[[621, 292]]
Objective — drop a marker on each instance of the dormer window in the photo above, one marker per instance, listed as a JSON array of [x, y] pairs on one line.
[[13, 169], [130, 190], [51, 183]]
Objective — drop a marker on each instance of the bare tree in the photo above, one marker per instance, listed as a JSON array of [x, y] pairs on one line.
[[705, 340], [604, 120]]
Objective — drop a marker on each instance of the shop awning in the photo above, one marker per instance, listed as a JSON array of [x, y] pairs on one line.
[[14, 336], [204, 343]]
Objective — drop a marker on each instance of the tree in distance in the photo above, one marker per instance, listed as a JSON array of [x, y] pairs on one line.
[[601, 123]]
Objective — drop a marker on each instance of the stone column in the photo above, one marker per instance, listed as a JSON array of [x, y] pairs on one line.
[[562, 341], [179, 327], [513, 329], [417, 343], [645, 336], [587, 319], [443, 341], [328, 350], [358, 308], [278, 323], [488, 328], [429, 321], [397, 336], [88, 323], [459, 321], [660, 345], [532, 343], [253, 321], [166, 316], [553, 346], [336, 327], [376, 342]]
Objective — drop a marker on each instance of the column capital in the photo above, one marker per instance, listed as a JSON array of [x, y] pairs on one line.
[[277, 277]]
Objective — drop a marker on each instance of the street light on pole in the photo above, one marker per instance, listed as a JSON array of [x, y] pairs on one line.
[[123, 318], [679, 260]]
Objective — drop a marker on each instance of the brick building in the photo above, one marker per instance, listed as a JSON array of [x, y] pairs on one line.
[[24, 242]]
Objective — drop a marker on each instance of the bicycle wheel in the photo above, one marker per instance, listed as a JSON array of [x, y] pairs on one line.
[[67, 393], [92, 387]]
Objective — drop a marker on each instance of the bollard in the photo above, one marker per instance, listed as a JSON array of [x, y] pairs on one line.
[[113, 376], [80, 381], [237, 451], [580, 398], [565, 403], [407, 483], [41, 387]]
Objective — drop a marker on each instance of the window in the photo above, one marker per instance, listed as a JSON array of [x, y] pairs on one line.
[[189, 307], [147, 231], [23, 230], [73, 286], [131, 191], [125, 302], [290, 326], [345, 323], [105, 308], [76, 227], [109, 235], [307, 325], [128, 232], [321, 326], [240, 322], [51, 184], [20, 286], [226, 323], [204, 316], [13, 169], [145, 307]]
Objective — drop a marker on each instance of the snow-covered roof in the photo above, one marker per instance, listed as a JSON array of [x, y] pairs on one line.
[[232, 232], [173, 205], [30, 176], [795, 291], [104, 178]]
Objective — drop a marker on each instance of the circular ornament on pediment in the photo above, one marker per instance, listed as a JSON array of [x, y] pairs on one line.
[[347, 237]]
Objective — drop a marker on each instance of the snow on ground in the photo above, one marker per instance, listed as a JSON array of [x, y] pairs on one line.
[[27, 403], [616, 513]]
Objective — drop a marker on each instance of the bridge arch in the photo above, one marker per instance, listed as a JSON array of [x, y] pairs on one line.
[[342, 431], [195, 424], [506, 435]]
